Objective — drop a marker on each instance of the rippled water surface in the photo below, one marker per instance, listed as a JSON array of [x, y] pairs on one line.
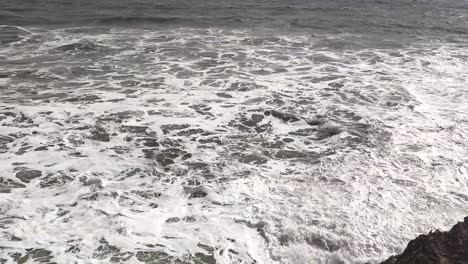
[[230, 132]]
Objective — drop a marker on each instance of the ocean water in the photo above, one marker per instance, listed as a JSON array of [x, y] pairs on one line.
[[295, 132]]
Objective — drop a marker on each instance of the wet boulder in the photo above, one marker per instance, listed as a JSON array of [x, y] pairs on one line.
[[436, 247]]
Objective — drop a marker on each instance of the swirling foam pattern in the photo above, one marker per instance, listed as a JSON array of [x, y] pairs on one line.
[[225, 146]]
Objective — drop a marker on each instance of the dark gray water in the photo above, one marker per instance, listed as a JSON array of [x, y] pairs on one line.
[[202, 132], [404, 19]]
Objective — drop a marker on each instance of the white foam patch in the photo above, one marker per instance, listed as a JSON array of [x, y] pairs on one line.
[[184, 168]]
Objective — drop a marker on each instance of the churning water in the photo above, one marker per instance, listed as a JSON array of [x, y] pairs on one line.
[[227, 132]]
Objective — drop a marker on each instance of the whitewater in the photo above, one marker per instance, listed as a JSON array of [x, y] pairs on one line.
[[226, 145]]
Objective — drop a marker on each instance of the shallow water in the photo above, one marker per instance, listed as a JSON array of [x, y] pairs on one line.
[[148, 135]]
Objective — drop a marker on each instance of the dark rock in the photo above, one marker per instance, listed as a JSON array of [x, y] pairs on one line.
[[436, 248], [28, 175]]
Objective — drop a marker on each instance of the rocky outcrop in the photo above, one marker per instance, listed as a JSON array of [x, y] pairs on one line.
[[436, 248]]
